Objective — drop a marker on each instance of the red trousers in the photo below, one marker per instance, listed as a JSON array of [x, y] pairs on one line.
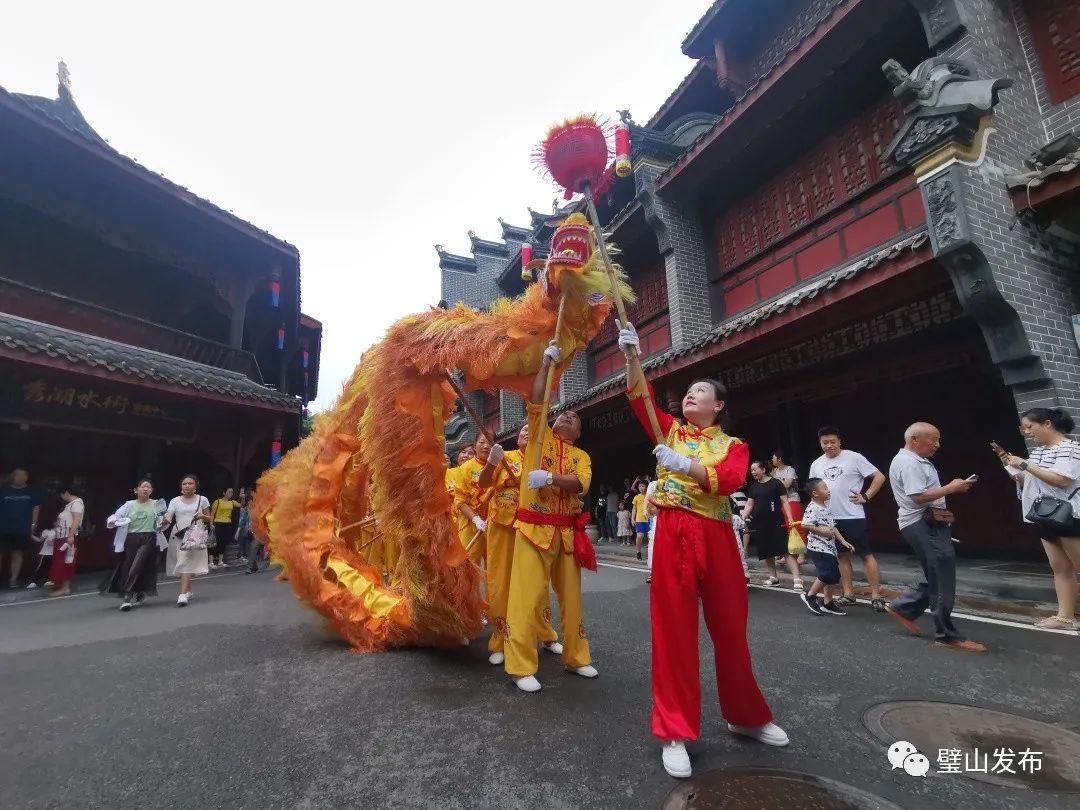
[[697, 558]]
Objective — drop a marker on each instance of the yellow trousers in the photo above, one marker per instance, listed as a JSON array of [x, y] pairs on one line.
[[466, 533], [532, 570], [500, 559]]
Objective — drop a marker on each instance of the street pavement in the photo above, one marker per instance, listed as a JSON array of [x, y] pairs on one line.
[[242, 700]]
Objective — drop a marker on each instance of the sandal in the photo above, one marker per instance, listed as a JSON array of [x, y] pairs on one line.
[[797, 584], [878, 605], [771, 582], [1055, 623]]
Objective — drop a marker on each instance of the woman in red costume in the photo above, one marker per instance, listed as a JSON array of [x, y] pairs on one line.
[[696, 557]]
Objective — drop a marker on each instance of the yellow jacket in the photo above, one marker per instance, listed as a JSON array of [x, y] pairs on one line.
[[559, 458], [504, 503], [467, 491]]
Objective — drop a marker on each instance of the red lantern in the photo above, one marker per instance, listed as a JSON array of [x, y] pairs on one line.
[[281, 337], [275, 453], [526, 257], [275, 293], [305, 357], [622, 151], [575, 154]]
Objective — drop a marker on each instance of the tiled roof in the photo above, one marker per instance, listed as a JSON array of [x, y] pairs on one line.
[[58, 113], [133, 362], [735, 108], [702, 23], [787, 301], [688, 79]]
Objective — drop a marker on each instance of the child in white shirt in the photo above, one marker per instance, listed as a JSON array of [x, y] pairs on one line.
[[821, 533]]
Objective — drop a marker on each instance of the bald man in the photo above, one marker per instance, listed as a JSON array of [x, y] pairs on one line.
[[926, 525]]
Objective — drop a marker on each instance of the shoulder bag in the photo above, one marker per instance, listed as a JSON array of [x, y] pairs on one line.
[[197, 535], [1054, 515]]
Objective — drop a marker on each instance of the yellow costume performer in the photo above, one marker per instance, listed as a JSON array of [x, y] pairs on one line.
[[500, 554], [471, 502], [379, 451], [549, 528]]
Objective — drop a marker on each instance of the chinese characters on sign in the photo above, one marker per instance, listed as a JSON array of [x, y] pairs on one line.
[[38, 392], [1001, 761]]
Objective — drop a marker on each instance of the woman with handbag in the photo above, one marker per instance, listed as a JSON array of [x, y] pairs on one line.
[[1049, 488], [189, 515]]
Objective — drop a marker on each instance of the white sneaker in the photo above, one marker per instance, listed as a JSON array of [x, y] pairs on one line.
[[496, 658], [189, 595], [182, 599], [554, 647], [770, 733], [586, 671], [676, 760], [125, 607], [527, 684], [31, 586]]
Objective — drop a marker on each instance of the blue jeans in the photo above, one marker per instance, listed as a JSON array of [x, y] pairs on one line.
[[936, 588], [613, 524]]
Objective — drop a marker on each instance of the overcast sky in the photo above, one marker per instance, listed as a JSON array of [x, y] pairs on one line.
[[362, 133]]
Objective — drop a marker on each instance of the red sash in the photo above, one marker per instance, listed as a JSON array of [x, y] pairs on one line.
[[584, 553]]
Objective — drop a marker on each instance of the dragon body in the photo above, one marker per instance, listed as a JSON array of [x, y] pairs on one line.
[[358, 514]]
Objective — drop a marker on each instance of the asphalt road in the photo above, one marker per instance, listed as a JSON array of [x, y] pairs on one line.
[[241, 700]]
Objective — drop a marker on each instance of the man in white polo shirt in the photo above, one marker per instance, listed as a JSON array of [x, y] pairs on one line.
[[925, 524], [846, 472]]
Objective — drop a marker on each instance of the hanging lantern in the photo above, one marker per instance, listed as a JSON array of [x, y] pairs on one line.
[[575, 153], [305, 381], [622, 150], [281, 337], [305, 359], [275, 453], [275, 293], [526, 257]]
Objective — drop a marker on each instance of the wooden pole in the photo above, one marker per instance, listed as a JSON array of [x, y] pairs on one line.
[[472, 542], [635, 361], [479, 422], [539, 441]]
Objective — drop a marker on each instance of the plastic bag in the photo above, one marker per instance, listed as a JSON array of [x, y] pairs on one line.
[[795, 544]]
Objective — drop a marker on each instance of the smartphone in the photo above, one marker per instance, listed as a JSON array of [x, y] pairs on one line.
[[997, 448], [972, 478]]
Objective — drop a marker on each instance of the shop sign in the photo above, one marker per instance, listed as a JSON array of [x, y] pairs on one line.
[[89, 404]]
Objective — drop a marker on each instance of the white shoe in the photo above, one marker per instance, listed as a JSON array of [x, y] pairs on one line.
[[31, 586], [770, 733], [797, 585], [676, 760], [182, 599], [554, 647], [527, 684], [496, 658], [586, 671], [125, 607], [190, 595]]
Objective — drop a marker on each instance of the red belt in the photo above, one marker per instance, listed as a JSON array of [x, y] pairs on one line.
[[584, 553]]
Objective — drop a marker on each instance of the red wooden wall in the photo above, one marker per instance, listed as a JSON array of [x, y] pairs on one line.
[[1055, 27], [833, 204], [649, 314]]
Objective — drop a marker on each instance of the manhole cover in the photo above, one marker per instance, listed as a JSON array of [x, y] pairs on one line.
[[738, 788], [982, 744]]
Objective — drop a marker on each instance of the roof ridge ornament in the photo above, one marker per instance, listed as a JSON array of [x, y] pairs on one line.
[[63, 81]]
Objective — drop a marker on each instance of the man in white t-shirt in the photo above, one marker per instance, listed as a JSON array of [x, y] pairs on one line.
[[846, 473]]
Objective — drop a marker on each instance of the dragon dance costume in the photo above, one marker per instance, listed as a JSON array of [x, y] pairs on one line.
[[374, 468]]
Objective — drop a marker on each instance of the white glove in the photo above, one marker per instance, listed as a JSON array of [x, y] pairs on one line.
[[628, 339], [553, 354], [538, 479], [479, 523], [669, 459], [495, 457]]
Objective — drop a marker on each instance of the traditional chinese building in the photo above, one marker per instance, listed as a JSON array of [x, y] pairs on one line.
[[842, 244], [142, 328]]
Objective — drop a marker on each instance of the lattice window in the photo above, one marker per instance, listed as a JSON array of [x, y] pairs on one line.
[[835, 170], [1055, 27]]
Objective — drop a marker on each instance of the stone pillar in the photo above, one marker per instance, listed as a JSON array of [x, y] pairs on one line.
[[575, 379], [960, 149], [684, 244], [511, 411]]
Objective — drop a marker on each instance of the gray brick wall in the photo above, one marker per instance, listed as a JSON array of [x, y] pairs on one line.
[[511, 411], [575, 379], [684, 249], [1057, 119], [1031, 277]]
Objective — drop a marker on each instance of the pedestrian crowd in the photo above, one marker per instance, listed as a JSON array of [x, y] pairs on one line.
[[184, 537]]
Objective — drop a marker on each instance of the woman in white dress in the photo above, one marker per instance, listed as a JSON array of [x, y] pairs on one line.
[[184, 510]]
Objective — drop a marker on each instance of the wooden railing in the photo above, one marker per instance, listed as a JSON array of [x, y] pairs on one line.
[[36, 304]]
